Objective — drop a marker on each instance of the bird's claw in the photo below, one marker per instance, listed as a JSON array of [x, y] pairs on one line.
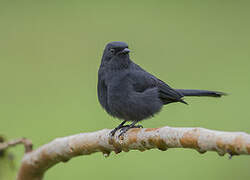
[[126, 128], [112, 133], [123, 131]]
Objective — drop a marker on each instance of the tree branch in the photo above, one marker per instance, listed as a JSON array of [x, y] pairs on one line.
[[26, 142], [35, 163]]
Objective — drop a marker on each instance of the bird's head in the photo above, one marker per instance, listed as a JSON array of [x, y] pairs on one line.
[[115, 51]]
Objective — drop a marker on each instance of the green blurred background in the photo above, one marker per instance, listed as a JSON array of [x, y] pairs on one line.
[[50, 52]]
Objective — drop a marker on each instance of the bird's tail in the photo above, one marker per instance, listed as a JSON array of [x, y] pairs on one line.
[[194, 92]]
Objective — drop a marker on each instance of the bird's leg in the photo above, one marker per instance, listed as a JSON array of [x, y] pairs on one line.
[[126, 128], [112, 133]]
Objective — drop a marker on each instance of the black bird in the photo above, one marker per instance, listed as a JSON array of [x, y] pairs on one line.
[[128, 92]]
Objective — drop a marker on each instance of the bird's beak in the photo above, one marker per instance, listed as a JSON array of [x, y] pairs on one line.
[[125, 51]]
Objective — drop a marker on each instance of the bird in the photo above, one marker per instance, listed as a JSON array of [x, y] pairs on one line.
[[128, 92]]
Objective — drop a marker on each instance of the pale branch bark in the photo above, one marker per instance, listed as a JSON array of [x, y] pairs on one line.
[[26, 142], [35, 163]]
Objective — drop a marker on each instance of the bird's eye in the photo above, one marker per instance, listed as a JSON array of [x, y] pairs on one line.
[[112, 50]]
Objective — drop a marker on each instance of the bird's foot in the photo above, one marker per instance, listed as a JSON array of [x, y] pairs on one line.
[[112, 133], [123, 131], [126, 128]]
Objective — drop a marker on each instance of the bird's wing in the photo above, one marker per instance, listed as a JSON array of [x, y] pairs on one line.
[[167, 94], [143, 80]]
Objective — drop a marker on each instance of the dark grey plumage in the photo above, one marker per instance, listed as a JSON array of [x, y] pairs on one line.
[[128, 92]]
